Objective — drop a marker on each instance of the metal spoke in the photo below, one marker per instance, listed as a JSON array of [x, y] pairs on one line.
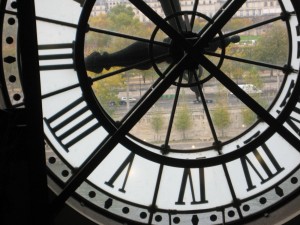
[[254, 26], [129, 37], [188, 27], [218, 13], [170, 8], [194, 13], [174, 107], [235, 89], [209, 119], [38, 18], [161, 23], [50, 94], [224, 15], [247, 61]]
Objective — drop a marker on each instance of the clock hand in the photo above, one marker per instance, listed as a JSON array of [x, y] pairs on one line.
[[139, 51], [220, 43], [161, 23], [223, 16], [132, 54], [94, 58], [170, 7]]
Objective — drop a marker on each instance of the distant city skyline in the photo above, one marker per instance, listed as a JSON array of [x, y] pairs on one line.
[[208, 7]]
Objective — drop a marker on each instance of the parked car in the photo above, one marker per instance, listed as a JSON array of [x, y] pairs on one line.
[[130, 99], [249, 88], [200, 102], [121, 102], [113, 103]]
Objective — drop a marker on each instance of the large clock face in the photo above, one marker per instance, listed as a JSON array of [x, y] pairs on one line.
[[171, 112]]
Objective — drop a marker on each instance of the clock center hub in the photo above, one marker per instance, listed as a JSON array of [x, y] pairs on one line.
[[177, 52]]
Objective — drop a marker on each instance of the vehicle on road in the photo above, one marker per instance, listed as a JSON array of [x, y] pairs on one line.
[[130, 99], [200, 102], [113, 103], [249, 88]]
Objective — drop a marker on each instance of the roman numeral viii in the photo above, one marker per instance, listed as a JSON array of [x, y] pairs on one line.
[[68, 124], [259, 164]]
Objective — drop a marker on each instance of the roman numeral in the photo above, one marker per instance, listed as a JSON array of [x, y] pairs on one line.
[[127, 163], [187, 176], [67, 117], [56, 56], [292, 121], [260, 163]]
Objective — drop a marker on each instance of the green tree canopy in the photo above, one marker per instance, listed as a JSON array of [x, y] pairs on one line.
[[237, 23], [157, 122], [272, 46], [221, 117], [183, 119], [253, 77], [106, 91], [249, 117], [233, 68]]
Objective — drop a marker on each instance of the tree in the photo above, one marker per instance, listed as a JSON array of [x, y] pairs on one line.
[[106, 91], [233, 68], [237, 23], [272, 46], [183, 120], [119, 19], [249, 117], [221, 117], [97, 41], [156, 122], [253, 77]]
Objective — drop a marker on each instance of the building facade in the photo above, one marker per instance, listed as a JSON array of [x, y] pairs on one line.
[[208, 7]]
